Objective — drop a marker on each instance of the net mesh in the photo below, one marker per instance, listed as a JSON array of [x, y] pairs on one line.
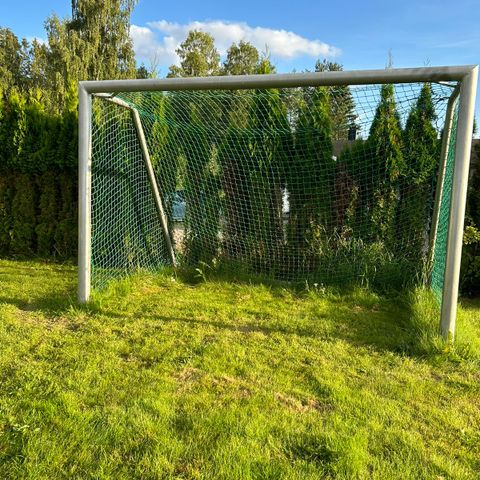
[[329, 185], [440, 245]]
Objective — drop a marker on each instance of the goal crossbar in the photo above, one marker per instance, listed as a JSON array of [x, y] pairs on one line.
[[282, 80], [465, 76]]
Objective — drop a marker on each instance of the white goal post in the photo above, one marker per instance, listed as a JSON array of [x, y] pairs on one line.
[[464, 76]]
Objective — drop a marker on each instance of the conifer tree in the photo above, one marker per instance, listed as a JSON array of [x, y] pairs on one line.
[[6, 200], [235, 163], [38, 119], [380, 185], [47, 213], [198, 57], [271, 137], [421, 152], [349, 175], [165, 152], [310, 173], [13, 131], [201, 189], [473, 199], [66, 229], [23, 215], [341, 104], [234, 151], [65, 158], [37, 147]]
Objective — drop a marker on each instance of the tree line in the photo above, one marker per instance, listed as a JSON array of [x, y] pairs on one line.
[[38, 120], [374, 201], [336, 205]]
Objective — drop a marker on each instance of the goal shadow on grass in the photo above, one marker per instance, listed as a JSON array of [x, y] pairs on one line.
[[402, 320], [357, 316], [370, 329], [46, 287]]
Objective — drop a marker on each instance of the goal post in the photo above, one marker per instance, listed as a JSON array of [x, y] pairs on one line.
[[309, 120], [466, 110]]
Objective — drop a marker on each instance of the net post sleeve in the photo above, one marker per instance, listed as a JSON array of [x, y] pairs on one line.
[[153, 183], [447, 130], [84, 193], [457, 209]]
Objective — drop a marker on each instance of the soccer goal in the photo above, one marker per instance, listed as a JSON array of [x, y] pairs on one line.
[[334, 178]]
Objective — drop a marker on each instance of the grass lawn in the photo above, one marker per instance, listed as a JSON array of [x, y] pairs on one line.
[[159, 378]]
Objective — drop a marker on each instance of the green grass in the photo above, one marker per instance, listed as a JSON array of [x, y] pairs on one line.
[[159, 377]]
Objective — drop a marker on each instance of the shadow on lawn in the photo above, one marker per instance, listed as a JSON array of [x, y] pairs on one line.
[[49, 305], [383, 329], [388, 324], [47, 287]]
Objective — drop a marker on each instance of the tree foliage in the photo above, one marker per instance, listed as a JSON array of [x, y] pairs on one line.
[[470, 274], [38, 121], [235, 160], [271, 130], [341, 105], [421, 153], [93, 44], [14, 56], [310, 172], [379, 195], [198, 56], [242, 59]]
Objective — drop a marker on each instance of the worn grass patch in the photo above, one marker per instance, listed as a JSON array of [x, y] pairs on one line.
[[160, 378]]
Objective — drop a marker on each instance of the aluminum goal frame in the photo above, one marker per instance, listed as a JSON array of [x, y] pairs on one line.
[[466, 76]]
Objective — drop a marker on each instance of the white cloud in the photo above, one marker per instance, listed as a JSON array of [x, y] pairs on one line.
[[158, 40], [40, 40]]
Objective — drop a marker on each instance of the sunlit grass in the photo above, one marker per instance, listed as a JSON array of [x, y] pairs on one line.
[[162, 377]]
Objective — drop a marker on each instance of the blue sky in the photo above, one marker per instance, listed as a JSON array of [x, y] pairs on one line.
[[356, 34]]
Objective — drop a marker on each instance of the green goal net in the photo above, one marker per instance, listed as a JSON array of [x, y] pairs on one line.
[[332, 185]]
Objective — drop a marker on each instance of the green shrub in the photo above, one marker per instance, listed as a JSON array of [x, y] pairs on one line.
[[23, 215], [421, 154], [6, 197], [66, 230], [470, 272], [48, 211]]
